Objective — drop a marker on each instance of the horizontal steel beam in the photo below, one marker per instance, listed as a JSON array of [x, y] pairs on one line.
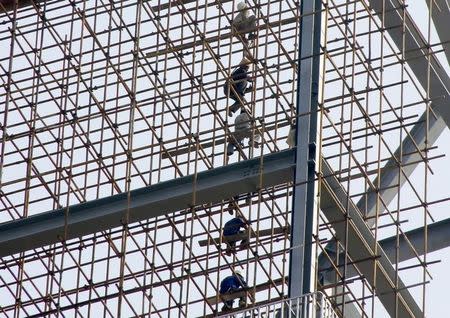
[[438, 237], [86, 218]]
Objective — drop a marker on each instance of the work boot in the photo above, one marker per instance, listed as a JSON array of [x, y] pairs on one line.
[[249, 89], [233, 108], [225, 308], [253, 143], [230, 149], [228, 251], [242, 303], [244, 245], [251, 36]]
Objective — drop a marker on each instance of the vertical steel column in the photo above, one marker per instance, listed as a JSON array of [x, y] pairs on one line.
[[300, 273]]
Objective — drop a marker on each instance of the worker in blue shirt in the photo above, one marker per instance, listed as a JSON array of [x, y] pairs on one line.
[[239, 81], [233, 227], [230, 285]]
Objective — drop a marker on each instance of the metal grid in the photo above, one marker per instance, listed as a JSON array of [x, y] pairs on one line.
[[100, 98], [373, 100]]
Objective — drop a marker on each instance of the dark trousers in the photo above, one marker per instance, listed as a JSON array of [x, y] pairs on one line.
[[229, 303]]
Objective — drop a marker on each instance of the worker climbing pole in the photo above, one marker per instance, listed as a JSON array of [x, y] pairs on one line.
[[240, 82]]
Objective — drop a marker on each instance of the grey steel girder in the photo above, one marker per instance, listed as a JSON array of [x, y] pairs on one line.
[[438, 237], [389, 176], [304, 207], [156, 200], [372, 262], [416, 56], [440, 13]]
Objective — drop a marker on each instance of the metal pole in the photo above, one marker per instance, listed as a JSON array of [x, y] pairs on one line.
[[300, 274]]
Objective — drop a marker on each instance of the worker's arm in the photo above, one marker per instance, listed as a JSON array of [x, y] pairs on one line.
[[242, 282]]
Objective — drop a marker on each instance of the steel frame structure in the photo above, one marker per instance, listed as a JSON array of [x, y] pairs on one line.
[[115, 182]]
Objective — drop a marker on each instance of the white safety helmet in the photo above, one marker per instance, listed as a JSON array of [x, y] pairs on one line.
[[242, 6], [238, 272], [244, 61]]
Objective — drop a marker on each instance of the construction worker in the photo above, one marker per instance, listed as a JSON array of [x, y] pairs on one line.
[[231, 228], [239, 82], [243, 23], [230, 285], [242, 129]]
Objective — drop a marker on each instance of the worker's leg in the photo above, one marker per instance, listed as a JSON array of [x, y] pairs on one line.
[[230, 248], [227, 305], [251, 27], [242, 301], [240, 90], [230, 205], [241, 27], [254, 139], [235, 106], [244, 244]]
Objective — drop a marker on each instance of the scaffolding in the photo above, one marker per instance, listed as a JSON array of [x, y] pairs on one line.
[[115, 182]]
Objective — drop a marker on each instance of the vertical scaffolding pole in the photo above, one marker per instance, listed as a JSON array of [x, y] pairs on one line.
[[301, 275]]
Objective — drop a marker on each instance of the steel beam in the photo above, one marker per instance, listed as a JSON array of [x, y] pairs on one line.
[[86, 218], [440, 13], [389, 176], [416, 55], [438, 237], [301, 271], [362, 247]]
